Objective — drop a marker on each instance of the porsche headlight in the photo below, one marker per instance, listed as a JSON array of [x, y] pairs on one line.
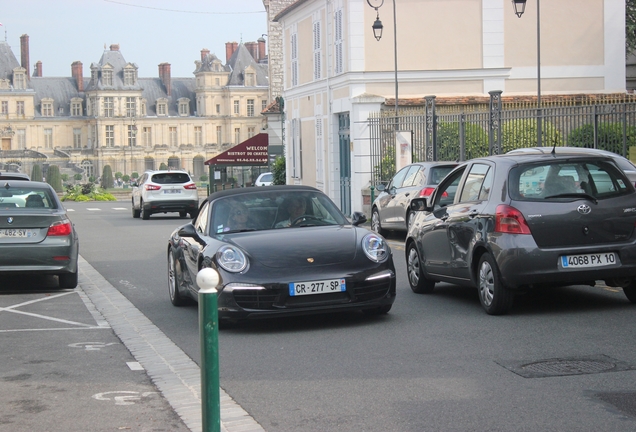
[[375, 248], [231, 258]]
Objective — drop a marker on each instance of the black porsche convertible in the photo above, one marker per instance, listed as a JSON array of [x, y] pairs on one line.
[[281, 250]]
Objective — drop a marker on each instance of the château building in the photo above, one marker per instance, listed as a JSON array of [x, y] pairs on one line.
[[114, 117]]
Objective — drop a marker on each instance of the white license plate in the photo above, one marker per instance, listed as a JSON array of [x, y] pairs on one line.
[[171, 191], [317, 287], [589, 260], [27, 233]]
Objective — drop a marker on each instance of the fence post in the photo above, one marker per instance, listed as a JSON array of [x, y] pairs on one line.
[[494, 130], [430, 134], [595, 126], [207, 280], [462, 137]]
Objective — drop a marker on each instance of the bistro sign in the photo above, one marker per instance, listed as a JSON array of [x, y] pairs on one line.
[[250, 152]]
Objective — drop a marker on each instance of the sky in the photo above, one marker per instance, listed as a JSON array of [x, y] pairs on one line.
[[149, 32]]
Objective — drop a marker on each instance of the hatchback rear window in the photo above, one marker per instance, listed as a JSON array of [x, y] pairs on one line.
[[171, 178], [437, 174], [566, 179]]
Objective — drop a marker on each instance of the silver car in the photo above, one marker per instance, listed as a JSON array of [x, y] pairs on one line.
[[390, 210], [36, 235]]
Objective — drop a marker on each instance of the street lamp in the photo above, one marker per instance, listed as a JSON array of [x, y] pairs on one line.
[[377, 33], [520, 7]]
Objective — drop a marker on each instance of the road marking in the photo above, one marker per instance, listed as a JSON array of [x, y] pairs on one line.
[[120, 208], [93, 209], [121, 398], [136, 366], [91, 346], [70, 210]]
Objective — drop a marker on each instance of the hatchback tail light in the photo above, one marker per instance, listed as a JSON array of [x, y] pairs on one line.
[[428, 191], [510, 220], [190, 186], [152, 187], [62, 228]]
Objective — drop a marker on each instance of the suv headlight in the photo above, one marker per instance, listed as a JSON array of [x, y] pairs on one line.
[[375, 248], [231, 258]]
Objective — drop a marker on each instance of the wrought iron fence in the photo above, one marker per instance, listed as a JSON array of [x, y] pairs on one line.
[[458, 133]]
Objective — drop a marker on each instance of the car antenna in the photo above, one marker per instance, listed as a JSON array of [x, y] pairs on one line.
[[553, 152]]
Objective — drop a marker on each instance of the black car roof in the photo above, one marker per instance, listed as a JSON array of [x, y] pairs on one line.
[[248, 190]]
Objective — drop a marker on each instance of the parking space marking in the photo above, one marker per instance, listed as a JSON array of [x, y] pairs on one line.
[[100, 322]]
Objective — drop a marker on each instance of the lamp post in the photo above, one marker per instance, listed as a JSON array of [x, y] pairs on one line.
[[377, 33], [520, 8]]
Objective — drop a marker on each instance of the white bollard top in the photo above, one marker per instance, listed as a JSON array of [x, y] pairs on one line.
[[208, 280]]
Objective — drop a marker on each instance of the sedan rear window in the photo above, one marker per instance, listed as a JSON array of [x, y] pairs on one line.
[[171, 178], [567, 179]]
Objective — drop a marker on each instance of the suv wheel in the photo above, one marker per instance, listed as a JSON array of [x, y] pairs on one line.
[[493, 295], [145, 214], [419, 283], [135, 212]]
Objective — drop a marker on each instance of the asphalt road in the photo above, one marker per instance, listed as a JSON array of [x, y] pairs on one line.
[[562, 360]]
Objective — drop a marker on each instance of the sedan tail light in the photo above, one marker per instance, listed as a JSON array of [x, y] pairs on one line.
[[510, 220], [152, 187], [428, 191], [190, 186], [62, 228]]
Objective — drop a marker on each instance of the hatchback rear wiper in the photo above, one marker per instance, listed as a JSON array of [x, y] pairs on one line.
[[574, 195]]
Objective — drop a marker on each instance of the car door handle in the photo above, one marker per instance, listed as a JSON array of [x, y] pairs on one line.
[[473, 213], [407, 194]]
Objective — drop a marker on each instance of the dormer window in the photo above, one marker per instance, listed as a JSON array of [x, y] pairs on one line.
[[130, 76], [162, 107], [47, 107], [184, 107], [142, 109], [76, 107], [19, 79], [93, 75], [107, 77], [250, 79]]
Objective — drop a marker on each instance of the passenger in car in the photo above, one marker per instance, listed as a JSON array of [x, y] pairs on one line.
[[238, 218]]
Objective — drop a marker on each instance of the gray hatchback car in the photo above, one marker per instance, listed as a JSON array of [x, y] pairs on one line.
[[511, 223], [390, 210]]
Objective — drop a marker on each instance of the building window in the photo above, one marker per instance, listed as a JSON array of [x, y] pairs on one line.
[[237, 135], [294, 59], [237, 108], [21, 136], [143, 108], [110, 135], [77, 138], [162, 108], [317, 51], [251, 131], [131, 107], [263, 105], [250, 107], [109, 104], [173, 136], [129, 77], [217, 82], [338, 41], [19, 108], [250, 80], [184, 108], [132, 135], [218, 109], [19, 80], [47, 109], [198, 135], [147, 136], [48, 138], [296, 157], [219, 135], [320, 173], [107, 77], [5, 108], [76, 108]]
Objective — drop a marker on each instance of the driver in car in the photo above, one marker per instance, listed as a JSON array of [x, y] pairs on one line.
[[295, 207]]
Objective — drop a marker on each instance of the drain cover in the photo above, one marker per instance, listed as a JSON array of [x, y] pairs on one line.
[[566, 366]]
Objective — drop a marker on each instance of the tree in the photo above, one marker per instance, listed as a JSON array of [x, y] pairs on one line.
[[77, 177], [107, 178], [630, 25], [610, 137], [475, 141], [54, 178], [520, 133], [36, 173], [163, 166], [279, 171]]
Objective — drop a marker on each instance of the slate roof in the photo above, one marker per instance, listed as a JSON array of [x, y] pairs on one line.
[[7, 61], [240, 60]]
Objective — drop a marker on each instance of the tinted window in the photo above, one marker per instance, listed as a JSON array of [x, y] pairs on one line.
[[562, 179], [170, 178], [411, 176], [437, 174], [399, 178], [475, 187]]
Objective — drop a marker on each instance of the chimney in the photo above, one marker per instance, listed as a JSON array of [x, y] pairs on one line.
[[261, 48], [24, 52], [37, 70], [204, 53], [230, 47], [252, 47], [164, 76], [77, 71], [114, 47]]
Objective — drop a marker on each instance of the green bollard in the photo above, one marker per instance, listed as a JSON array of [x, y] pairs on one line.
[[372, 194], [208, 279]]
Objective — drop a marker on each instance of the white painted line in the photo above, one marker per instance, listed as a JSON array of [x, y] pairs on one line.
[[70, 210], [135, 366], [93, 209], [120, 208]]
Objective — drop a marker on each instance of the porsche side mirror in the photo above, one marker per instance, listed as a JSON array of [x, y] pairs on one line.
[[189, 231], [358, 218]]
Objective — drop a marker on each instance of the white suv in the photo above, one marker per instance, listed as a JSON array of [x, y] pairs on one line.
[[163, 192]]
